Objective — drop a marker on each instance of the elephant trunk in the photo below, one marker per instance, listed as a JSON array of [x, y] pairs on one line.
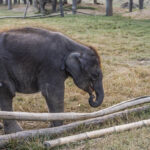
[[98, 88]]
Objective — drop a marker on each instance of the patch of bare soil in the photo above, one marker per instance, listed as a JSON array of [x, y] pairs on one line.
[[21, 9], [98, 9], [144, 62], [140, 14]]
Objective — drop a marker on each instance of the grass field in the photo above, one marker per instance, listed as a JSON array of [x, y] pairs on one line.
[[124, 47]]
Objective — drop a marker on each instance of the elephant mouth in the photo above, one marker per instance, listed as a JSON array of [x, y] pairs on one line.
[[96, 94], [90, 89]]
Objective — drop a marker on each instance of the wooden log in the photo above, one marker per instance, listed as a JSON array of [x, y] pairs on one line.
[[72, 115], [4, 139], [96, 133]]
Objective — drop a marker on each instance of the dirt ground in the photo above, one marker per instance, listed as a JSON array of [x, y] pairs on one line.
[[139, 14]]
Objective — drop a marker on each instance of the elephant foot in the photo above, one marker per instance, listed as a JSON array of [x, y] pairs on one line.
[[11, 126], [56, 123]]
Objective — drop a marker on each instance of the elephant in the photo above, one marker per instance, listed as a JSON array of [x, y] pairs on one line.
[[39, 60], [40, 5]]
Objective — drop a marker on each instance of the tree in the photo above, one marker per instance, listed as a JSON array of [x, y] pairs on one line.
[[74, 6], [65, 2], [54, 5], [141, 4], [130, 5], [79, 1], [109, 8], [25, 1], [30, 2], [9, 4], [15, 1], [6, 2], [61, 8], [1, 1]]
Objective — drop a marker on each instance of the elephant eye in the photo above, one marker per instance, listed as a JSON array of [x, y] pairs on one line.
[[94, 76]]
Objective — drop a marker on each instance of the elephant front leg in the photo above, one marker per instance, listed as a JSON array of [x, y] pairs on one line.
[[54, 95], [10, 126]]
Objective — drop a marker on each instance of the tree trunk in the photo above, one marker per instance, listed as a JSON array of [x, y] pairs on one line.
[[9, 4], [1, 1], [54, 5], [130, 5], [15, 1], [25, 1], [18, 1], [79, 1], [141, 4], [65, 2], [35, 5], [109, 8], [74, 6], [31, 2], [95, 1], [6, 2], [61, 8]]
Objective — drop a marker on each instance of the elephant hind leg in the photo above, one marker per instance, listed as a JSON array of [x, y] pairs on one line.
[[10, 126]]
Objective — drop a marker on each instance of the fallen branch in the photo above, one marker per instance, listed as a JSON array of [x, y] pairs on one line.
[[96, 133], [4, 139], [25, 12], [17, 17], [72, 115], [33, 16]]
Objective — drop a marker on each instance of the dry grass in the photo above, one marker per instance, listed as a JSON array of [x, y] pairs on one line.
[[125, 51], [141, 14]]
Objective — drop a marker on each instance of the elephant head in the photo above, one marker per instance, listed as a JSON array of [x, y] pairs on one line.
[[85, 70]]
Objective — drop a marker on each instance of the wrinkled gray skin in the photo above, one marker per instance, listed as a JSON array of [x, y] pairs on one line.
[[33, 60], [40, 4]]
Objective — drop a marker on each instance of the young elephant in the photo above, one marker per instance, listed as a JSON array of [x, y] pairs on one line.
[[33, 60]]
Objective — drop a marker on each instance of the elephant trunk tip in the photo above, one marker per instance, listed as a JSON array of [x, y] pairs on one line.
[[97, 102]]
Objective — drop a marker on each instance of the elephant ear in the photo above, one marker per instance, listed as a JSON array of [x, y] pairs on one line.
[[83, 62], [72, 64]]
